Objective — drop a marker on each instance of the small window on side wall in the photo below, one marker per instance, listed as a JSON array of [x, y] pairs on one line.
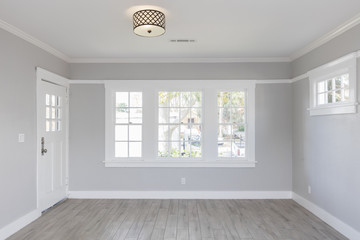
[[333, 87]]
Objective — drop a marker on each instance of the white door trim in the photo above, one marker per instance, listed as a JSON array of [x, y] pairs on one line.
[[61, 81]]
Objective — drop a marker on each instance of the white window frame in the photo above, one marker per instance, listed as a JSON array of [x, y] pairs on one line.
[[344, 65], [150, 89]]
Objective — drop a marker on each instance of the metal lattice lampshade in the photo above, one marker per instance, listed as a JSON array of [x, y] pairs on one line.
[[149, 23]]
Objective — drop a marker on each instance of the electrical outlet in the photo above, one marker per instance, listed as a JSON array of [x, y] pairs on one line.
[[183, 181], [309, 189], [21, 138]]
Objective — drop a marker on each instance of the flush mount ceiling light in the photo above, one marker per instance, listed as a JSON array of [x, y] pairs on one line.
[[149, 23]]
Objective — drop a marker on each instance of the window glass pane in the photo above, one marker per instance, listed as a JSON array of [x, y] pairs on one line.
[[135, 99], [163, 134], [224, 99], [237, 115], [224, 133], [237, 99], [174, 98], [47, 99], [338, 97], [47, 112], [345, 81], [238, 148], [186, 99], [122, 99], [322, 98], [185, 149], [195, 148], [196, 115], [58, 113], [53, 113], [174, 149], [321, 86], [238, 131], [53, 125], [338, 82], [224, 149], [330, 97], [224, 115], [174, 115], [164, 115], [121, 149], [163, 99], [135, 133], [121, 133], [185, 133], [163, 149], [329, 85], [58, 101], [53, 101], [135, 149], [122, 115], [196, 99], [58, 126], [136, 115], [47, 126], [346, 94], [174, 133]]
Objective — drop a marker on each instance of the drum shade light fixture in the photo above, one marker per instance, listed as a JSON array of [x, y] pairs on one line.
[[149, 23]]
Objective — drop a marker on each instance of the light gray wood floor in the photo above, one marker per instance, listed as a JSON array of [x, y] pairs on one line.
[[178, 219]]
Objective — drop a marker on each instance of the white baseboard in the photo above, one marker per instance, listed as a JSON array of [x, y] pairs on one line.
[[180, 194], [334, 222], [18, 224]]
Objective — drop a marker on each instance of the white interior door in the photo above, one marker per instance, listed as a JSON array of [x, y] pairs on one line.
[[52, 141]]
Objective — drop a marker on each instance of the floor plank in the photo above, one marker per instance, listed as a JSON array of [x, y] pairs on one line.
[[177, 220]]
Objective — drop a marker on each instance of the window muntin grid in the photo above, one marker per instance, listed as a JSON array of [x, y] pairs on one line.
[[179, 124], [128, 124], [232, 124]]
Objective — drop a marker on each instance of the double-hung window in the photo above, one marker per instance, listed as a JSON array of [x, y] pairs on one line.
[[232, 125], [201, 123], [333, 87], [179, 130]]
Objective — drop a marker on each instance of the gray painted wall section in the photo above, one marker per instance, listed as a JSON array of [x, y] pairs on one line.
[[273, 150], [18, 60], [340, 46], [180, 71], [326, 148]]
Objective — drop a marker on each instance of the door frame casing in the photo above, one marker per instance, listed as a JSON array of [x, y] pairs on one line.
[[41, 75]]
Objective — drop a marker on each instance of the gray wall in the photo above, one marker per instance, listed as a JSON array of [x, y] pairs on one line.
[[273, 150], [18, 60], [345, 43], [326, 152], [180, 71]]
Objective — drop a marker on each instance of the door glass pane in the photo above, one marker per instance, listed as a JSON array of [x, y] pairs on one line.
[[47, 99]]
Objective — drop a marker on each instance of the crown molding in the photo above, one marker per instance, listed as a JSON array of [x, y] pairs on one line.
[[27, 37], [178, 60], [327, 37]]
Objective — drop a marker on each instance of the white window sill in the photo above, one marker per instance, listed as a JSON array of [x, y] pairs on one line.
[[198, 164], [344, 108]]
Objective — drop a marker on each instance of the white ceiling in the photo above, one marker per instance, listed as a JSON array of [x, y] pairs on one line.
[[221, 29]]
